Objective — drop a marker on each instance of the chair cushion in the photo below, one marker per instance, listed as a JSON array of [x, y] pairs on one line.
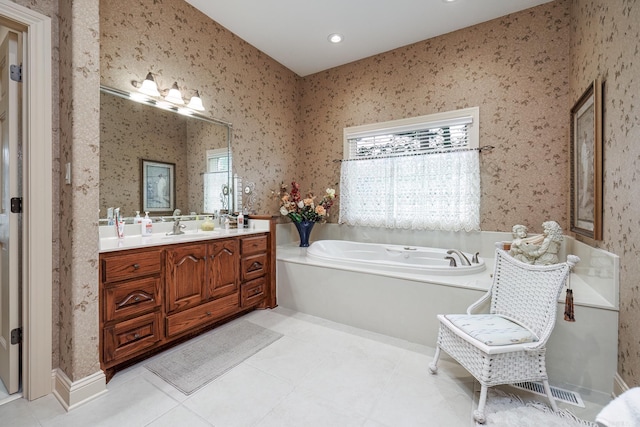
[[492, 329]]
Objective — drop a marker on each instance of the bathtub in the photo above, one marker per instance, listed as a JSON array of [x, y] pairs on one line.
[[400, 258], [401, 304]]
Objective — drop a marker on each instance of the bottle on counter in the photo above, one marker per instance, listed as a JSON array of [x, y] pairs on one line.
[[240, 220], [146, 226]]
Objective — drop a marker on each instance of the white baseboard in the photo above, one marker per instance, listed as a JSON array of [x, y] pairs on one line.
[[619, 386], [72, 394]]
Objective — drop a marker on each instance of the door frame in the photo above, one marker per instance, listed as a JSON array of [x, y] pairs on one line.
[[37, 216]]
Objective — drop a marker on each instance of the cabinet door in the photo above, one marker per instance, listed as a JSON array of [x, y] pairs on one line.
[[185, 276], [222, 269]]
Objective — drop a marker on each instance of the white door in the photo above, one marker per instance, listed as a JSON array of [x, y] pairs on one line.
[[9, 222]]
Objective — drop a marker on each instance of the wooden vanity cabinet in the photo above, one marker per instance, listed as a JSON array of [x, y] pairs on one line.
[[130, 304], [152, 297], [185, 276], [222, 268], [254, 264], [202, 284]]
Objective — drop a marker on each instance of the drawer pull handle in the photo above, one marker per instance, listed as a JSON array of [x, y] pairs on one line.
[[208, 313], [136, 335], [136, 266], [134, 298], [255, 267]]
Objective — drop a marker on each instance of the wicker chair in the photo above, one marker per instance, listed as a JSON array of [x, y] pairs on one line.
[[507, 345]]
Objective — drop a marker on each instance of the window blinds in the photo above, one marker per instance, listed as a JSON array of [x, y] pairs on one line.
[[420, 138]]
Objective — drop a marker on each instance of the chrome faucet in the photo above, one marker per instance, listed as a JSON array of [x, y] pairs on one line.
[[177, 228], [452, 261], [463, 259]]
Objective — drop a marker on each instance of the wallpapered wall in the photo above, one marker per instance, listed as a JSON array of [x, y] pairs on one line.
[[604, 42], [237, 83], [130, 131], [514, 68]]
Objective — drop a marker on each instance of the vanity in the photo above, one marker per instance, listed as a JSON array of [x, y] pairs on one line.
[[161, 290]]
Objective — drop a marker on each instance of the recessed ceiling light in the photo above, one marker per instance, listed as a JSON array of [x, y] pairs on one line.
[[448, 1], [335, 38]]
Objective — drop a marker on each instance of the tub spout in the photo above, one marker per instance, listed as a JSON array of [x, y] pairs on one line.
[[475, 259], [463, 259]]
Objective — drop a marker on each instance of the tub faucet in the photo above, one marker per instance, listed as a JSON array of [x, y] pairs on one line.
[[463, 259], [452, 261]]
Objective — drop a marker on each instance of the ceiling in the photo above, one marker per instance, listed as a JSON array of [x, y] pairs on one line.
[[295, 32]]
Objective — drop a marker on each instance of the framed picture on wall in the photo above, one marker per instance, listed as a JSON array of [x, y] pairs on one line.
[[586, 163], [157, 186]]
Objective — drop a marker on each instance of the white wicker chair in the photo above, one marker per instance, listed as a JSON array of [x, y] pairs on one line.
[[524, 297]]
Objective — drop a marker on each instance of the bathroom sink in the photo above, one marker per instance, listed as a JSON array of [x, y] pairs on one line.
[[194, 234], [186, 235]]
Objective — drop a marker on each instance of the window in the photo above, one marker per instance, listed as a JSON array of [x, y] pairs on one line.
[[419, 173], [215, 179]]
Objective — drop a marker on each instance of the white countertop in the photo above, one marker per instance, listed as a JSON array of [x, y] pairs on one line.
[[109, 242]]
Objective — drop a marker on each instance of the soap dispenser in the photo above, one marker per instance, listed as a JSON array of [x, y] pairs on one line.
[[147, 225], [138, 218]]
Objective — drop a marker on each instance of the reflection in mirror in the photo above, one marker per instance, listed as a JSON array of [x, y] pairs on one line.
[[198, 146], [249, 196]]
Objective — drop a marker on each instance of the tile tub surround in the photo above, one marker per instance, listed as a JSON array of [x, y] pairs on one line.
[[581, 354]]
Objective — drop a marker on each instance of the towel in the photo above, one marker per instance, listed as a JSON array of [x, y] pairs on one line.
[[623, 411]]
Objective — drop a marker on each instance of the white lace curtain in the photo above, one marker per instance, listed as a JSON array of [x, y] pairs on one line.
[[439, 191]]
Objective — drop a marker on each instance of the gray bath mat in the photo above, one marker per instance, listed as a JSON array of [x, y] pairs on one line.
[[200, 361]]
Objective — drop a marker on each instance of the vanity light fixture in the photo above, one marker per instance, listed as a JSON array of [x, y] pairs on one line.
[[196, 102], [174, 96], [149, 86], [165, 98], [335, 38]]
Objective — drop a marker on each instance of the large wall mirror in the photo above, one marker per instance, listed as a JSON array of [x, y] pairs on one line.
[[156, 159]]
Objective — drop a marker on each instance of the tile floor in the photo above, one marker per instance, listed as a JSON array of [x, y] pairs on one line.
[[318, 374]]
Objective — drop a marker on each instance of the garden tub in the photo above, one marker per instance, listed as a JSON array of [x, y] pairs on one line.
[[398, 258]]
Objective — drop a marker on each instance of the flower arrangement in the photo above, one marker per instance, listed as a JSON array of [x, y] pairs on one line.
[[299, 209]]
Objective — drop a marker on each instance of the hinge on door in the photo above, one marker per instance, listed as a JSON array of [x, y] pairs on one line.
[[16, 204], [15, 73], [16, 336]]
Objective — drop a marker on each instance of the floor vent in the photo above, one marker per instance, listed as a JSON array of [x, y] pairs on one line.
[[560, 394]]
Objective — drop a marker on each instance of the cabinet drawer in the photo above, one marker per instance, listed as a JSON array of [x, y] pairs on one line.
[[253, 266], [253, 245], [130, 265], [132, 336], [252, 293], [202, 314], [131, 298]]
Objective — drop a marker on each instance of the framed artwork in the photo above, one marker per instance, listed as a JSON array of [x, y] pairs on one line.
[[157, 186], [586, 163]]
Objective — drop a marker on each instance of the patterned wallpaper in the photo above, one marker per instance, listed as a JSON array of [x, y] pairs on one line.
[[237, 83], [514, 68], [129, 132], [79, 88], [519, 69], [604, 42]]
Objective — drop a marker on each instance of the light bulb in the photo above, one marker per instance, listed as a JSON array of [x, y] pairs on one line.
[[174, 96], [149, 86]]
